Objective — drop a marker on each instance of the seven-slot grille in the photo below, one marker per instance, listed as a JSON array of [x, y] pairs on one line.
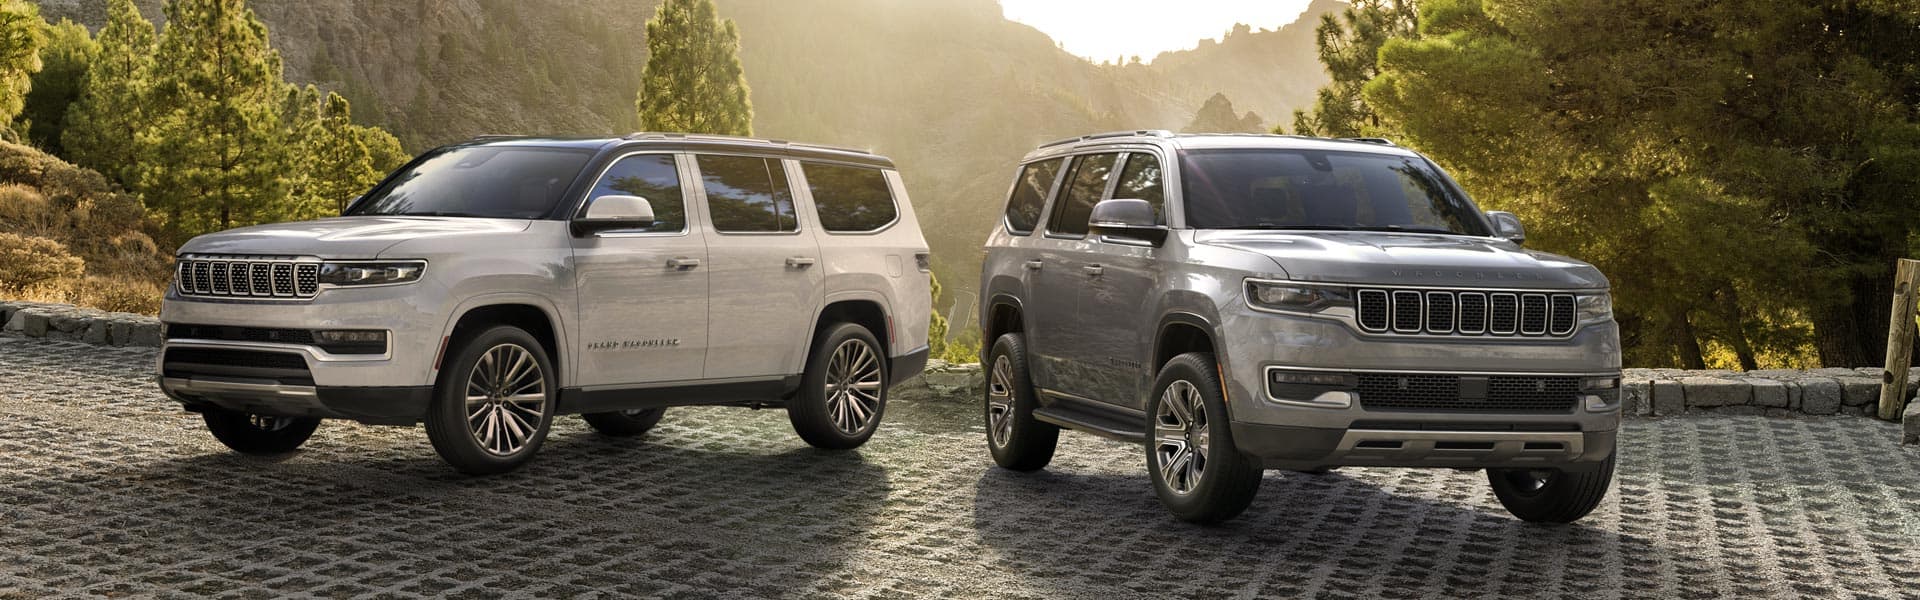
[[1412, 392], [1465, 312], [248, 277]]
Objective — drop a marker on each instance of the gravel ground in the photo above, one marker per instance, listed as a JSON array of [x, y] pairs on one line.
[[107, 489]]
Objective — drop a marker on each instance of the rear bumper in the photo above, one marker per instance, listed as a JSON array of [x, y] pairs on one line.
[[1304, 448], [907, 366], [372, 405]]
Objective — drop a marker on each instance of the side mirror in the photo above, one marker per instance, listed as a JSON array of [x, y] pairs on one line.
[[614, 212], [1126, 219], [1507, 226]]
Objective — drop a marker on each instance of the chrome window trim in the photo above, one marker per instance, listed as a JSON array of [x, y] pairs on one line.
[[892, 200], [686, 226]]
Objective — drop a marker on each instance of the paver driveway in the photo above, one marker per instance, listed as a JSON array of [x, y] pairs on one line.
[[107, 489]]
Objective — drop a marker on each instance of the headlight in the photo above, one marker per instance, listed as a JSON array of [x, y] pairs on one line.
[[371, 273], [1296, 297], [1594, 307]]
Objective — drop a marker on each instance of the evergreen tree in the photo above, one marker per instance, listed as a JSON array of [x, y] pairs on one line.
[[215, 152], [693, 81], [21, 36], [101, 127], [64, 63], [1349, 45]]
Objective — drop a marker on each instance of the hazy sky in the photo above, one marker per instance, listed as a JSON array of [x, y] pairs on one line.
[[1104, 30]]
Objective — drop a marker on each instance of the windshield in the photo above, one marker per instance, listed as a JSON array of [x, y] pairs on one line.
[[479, 181], [1310, 189]]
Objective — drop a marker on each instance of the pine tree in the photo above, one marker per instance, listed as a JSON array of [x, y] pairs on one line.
[[21, 37], [693, 81], [215, 152], [101, 127], [64, 63], [1349, 46]]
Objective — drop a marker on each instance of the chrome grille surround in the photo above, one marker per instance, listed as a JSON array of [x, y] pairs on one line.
[[247, 277], [1465, 313]]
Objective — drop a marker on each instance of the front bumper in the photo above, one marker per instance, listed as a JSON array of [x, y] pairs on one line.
[[1307, 448], [372, 405]]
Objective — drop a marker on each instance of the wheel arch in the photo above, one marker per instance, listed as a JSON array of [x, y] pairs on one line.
[[531, 313], [867, 310]]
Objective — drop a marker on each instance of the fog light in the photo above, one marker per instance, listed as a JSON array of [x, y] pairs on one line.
[[1319, 389], [1342, 380], [1599, 383], [351, 341]]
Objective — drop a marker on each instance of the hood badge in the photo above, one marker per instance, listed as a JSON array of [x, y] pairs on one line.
[[1468, 275]]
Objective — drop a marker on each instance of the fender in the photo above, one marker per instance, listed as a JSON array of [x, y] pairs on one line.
[[813, 327], [562, 326]]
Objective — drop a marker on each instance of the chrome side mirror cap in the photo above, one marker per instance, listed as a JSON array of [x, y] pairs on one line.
[[615, 212]]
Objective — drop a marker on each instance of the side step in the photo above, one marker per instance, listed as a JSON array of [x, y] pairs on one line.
[[1108, 422]]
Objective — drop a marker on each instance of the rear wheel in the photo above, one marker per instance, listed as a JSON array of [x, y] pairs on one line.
[[249, 433], [625, 423], [1551, 495], [1197, 471], [844, 390], [1016, 440], [494, 403]]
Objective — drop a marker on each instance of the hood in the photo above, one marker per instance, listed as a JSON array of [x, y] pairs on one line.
[[1411, 259], [343, 237]]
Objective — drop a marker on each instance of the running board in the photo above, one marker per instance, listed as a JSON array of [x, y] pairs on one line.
[[1107, 422]]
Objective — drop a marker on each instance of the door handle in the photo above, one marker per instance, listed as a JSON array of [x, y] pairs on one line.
[[1034, 265], [1094, 270], [799, 262], [683, 262]]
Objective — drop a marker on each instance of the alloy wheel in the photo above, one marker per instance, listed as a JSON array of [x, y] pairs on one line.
[[1000, 402], [1181, 434], [853, 386], [506, 399], [268, 423]]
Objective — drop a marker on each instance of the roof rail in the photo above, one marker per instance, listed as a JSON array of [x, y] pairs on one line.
[[495, 136], [1162, 133], [659, 135], [1371, 140]]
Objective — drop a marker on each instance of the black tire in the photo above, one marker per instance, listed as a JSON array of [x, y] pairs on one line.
[[625, 423], [448, 421], [1226, 479], [840, 403], [1017, 441], [258, 435], [1551, 495]]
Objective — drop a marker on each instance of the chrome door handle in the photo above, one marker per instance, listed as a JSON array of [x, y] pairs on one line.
[[683, 263], [799, 262], [1034, 265], [1094, 270]]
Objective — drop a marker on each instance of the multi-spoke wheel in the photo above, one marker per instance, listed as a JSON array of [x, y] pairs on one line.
[[1196, 470], [249, 433], [1552, 495], [844, 390], [1016, 440], [626, 422], [494, 402]]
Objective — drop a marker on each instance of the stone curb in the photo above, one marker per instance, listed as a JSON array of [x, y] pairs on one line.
[[72, 323]]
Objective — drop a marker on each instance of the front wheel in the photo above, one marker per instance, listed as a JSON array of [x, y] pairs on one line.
[[1551, 495], [844, 390], [249, 433], [494, 402], [1197, 471]]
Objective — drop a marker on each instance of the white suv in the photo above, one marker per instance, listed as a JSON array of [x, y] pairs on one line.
[[488, 286]]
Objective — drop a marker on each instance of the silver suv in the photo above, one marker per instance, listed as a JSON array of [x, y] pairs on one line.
[[488, 286], [1238, 303]]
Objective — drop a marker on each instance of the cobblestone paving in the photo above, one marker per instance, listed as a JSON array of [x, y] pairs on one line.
[[106, 489]]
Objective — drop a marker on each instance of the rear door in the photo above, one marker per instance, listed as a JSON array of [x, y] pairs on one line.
[[642, 292], [765, 272], [1066, 351]]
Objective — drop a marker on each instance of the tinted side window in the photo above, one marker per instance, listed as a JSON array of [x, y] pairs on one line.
[[650, 176], [1140, 180], [747, 194], [1084, 186], [850, 199], [1030, 195]]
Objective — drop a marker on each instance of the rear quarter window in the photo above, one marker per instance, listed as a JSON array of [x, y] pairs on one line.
[[850, 199], [1030, 190]]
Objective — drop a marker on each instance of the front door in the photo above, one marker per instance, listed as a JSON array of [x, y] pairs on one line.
[[642, 292], [1118, 296], [766, 273]]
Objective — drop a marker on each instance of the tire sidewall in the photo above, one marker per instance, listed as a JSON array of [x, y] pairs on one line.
[[811, 418], [1218, 479], [234, 430], [1031, 442], [449, 407]]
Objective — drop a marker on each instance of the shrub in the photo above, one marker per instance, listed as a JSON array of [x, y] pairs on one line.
[[120, 295], [35, 262]]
